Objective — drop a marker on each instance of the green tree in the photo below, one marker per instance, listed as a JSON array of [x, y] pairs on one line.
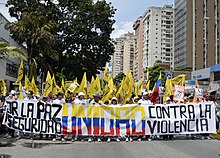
[[83, 35], [118, 78], [154, 73], [38, 35], [6, 50]]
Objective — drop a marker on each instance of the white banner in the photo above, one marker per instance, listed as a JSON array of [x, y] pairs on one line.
[[37, 117]]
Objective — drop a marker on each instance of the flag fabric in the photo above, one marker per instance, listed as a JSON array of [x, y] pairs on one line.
[[21, 96], [20, 72], [109, 91], [48, 85], [3, 86], [83, 85], [148, 86], [168, 89], [156, 90], [147, 76], [62, 87], [95, 87], [106, 75], [34, 86], [54, 85], [27, 83], [179, 80], [195, 98]]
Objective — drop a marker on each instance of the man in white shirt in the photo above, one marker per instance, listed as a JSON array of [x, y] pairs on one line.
[[80, 99], [145, 99]]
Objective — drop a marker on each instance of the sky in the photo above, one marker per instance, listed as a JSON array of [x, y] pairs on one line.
[[127, 12]]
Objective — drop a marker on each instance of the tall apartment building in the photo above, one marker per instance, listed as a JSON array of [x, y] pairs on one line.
[[158, 36], [197, 33], [138, 28], [123, 57]]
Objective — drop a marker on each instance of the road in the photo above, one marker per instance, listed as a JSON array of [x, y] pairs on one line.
[[154, 149]]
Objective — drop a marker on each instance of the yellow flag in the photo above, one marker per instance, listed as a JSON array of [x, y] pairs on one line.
[[27, 83], [34, 86], [136, 89], [106, 75], [95, 87], [3, 86], [21, 92], [48, 85], [148, 86], [54, 85], [147, 77], [140, 86], [20, 72], [169, 89], [83, 85], [120, 90], [63, 86], [130, 83], [109, 90], [179, 80]]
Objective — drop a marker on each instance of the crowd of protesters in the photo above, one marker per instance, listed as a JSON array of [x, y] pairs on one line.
[[81, 98]]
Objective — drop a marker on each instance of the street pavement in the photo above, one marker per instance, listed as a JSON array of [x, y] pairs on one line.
[[180, 148]]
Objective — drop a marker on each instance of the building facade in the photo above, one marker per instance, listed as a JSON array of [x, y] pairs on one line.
[[196, 33], [158, 36], [138, 32], [123, 57], [9, 66]]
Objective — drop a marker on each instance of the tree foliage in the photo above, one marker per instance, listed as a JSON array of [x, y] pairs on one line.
[[118, 78], [7, 50], [154, 73], [81, 29]]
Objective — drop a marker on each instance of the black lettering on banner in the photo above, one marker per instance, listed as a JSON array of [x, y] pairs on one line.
[[59, 108], [15, 122], [34, 125], [27, 122], [174, 110], [150, 114], [22, 110], [162, 126], [166, 112], [176, 126], [183, 125], [43, 128], [200, 109], [20, 124], [197, 125], [50, 126], [159, 112], [182, 111], [169, 127], [158, 127], [189, 125], [14, 108], [48, 111], [58, 127], [208, 111], [40, 109], [152, 128], [191, 111], [204, 123], [30, 110]]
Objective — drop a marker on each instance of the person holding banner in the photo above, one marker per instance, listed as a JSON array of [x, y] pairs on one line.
[[60, 100], [168, 137], [114, 102], [30, 96], [145, 101], [80, 100], [96, 101]]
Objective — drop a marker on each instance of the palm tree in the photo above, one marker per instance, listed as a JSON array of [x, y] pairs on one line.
[[38, 34], [6, 50]]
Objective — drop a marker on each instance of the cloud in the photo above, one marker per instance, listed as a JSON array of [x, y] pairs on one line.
[[122, 28]]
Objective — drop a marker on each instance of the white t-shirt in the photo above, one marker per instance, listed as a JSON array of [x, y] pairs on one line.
[[145, 102], [57, 101], [79, 102]]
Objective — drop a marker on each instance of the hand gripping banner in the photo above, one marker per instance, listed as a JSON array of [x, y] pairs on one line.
[[159, 119]]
